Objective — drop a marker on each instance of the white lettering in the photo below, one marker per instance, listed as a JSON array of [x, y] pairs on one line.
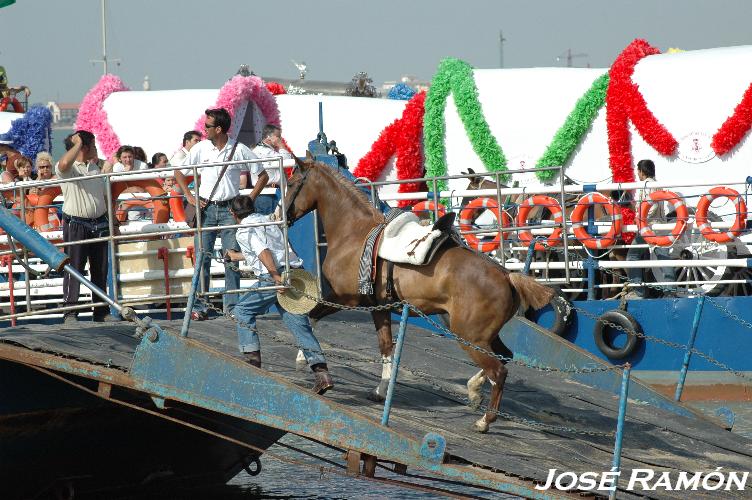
[[664, 482], [685, 483], [566, 475], [717, 476], [588, 480], [608, 480], [636, 478], [739, 482], [549, 480]]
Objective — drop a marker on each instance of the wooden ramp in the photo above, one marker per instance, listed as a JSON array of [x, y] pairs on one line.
[[549, 421]]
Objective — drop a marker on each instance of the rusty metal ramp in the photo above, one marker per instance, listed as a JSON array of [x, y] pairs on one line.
[[549, 420]]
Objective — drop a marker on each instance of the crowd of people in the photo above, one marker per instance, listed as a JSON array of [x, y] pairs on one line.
[[218, 202]]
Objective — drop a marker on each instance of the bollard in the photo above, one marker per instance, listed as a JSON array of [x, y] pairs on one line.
[[690, 346], [395, 365], [616, 462], [192, 295], [163, 253]]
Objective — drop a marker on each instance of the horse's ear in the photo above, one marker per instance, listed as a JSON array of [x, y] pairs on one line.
[[470, 170], [300, 163], [308, 155]]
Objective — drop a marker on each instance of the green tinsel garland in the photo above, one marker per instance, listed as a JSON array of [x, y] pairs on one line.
[[457, 76], [570, 135]]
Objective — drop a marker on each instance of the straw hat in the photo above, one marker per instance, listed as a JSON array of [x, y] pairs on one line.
[[293, 300]]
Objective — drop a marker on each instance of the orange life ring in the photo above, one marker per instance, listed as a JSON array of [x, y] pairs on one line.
[[553, 206], [578, 214], [161, 210], [466, 223], [45, 215], [682, 215], [11, 101], [428, 206], [701, 215]]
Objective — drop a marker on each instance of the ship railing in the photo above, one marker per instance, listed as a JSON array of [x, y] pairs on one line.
[[44, 288]]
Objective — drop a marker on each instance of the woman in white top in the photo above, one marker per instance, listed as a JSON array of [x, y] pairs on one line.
[[126, 160]]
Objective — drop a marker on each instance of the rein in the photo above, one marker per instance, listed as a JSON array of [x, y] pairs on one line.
[[295, 192]]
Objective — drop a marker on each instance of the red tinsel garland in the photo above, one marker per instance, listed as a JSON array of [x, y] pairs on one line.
[[624, 102], [735, 127], [276, 88], [403, 138]]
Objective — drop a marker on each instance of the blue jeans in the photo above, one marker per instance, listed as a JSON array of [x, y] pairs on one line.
[[254, 302], [635, 275], [213, 216], [265, 204]]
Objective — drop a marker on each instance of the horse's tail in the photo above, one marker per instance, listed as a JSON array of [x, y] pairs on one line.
[[532, 293]]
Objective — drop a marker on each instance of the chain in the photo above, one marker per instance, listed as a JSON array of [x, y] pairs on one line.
[[729, 314], [419, 374]]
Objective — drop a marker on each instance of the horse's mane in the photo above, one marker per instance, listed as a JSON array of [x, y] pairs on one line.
[[348, 186]]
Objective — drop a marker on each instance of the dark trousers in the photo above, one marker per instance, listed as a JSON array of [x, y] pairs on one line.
[[95, 253]]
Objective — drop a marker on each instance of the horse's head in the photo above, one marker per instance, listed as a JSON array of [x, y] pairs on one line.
[[300, 197]]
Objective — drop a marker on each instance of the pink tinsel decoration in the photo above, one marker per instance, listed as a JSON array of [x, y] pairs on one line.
[[241, 88], [92, 117]]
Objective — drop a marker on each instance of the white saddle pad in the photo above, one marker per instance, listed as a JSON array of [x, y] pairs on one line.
[[405, 240]]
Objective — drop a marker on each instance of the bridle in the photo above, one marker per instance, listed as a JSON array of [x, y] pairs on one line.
[[295, 192]]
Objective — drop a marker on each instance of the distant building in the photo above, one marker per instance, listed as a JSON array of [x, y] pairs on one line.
[[63, 113]]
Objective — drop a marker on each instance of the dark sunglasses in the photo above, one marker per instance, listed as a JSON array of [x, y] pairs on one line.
[[211, 126]]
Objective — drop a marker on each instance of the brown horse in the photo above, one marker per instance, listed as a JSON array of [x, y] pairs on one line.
[[477, 294]]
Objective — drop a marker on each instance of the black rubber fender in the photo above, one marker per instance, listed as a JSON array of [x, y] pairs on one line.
[[563, 315], [623, 319]]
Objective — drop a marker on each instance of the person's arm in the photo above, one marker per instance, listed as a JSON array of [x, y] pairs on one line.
[[183, 183], [263, 178], [66, 162], [267, 259]]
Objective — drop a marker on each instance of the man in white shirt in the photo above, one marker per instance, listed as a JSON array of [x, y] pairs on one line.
[[263, 248], [271, 146], [84, 217], [190, 139], [216, 211], [656, 214]]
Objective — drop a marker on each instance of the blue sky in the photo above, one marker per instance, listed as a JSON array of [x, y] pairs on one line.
[[47, 44]]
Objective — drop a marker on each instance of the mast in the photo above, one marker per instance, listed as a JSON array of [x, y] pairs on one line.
[[104, 60]]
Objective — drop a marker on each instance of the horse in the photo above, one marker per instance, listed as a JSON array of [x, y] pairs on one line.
[[476, 294]]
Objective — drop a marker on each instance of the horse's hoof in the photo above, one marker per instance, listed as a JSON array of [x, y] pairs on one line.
[[481, 425], [375, 397]]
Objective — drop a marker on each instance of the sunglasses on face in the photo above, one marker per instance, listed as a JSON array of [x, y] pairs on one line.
[[210, 126]]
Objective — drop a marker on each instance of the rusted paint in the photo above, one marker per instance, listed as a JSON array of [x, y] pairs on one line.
[[104, 389], [57, 363], [709, 392]]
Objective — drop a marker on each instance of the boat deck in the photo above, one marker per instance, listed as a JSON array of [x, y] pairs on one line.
[[430, 398]]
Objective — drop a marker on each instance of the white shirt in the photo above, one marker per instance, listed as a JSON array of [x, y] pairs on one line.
[[264, 151], [254, 240], [179, 157], [657, 212], [137, 165], [86, 197], [229, 186]]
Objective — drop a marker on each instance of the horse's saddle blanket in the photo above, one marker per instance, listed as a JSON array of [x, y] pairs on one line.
[[406, 241]]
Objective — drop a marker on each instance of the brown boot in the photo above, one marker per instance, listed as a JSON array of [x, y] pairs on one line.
[[253, 358], [324, 381]]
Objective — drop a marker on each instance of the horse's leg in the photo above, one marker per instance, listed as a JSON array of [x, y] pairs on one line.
[[383, 322], [496, 373], [474, 387]]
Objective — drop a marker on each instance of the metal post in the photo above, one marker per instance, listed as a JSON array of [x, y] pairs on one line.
[[499, 219], [616, 462], [529, 256], [690, 346], [591, 264], [25, 256], [436, 201], [11, 292], [111, 244], [395, 365], [192, 294], [565, 229]]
